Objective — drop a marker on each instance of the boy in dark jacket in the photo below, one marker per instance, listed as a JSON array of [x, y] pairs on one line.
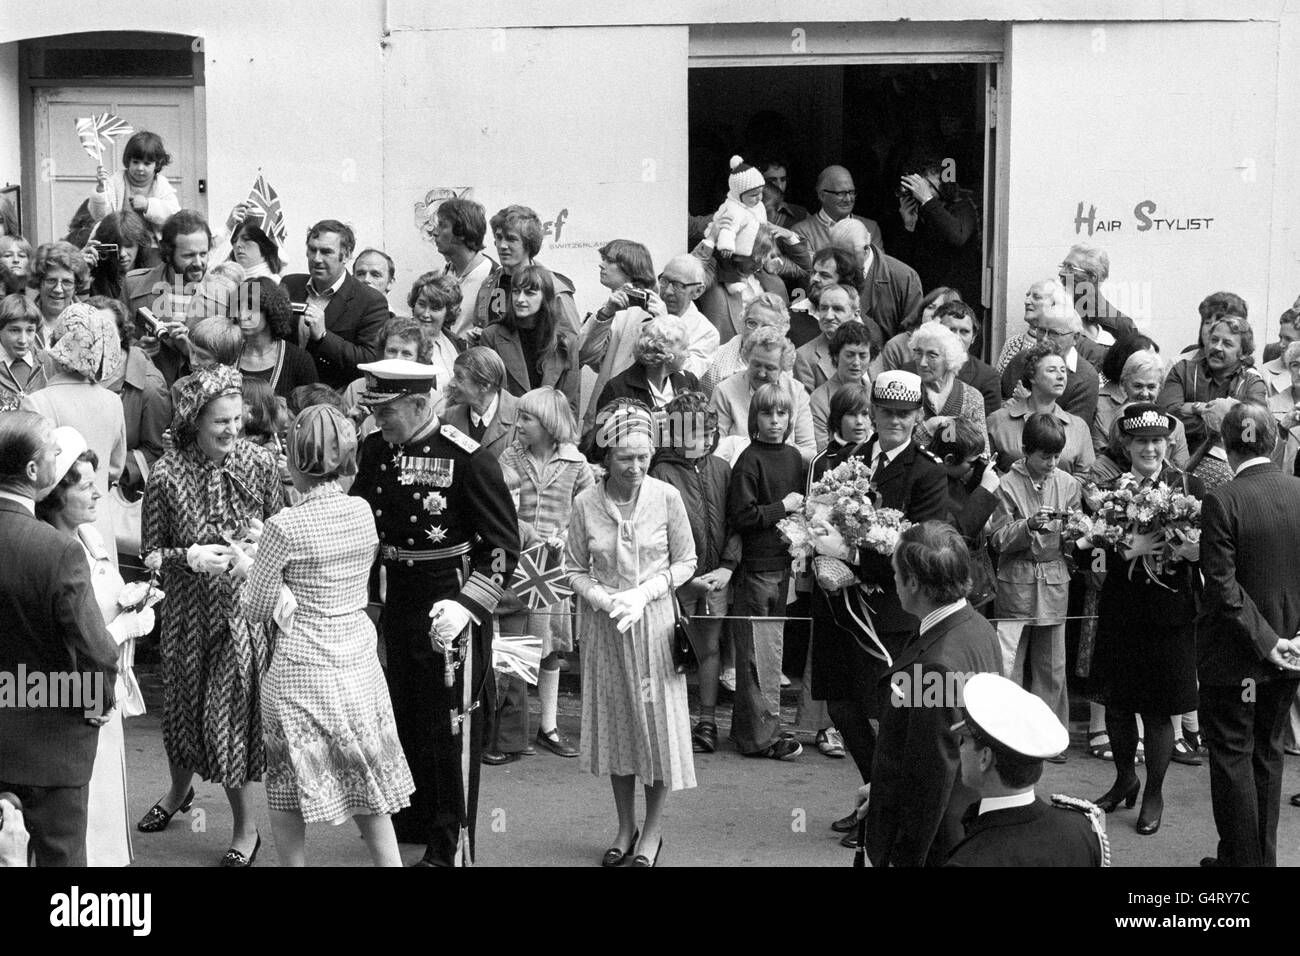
[[765, 487], [686, 461]]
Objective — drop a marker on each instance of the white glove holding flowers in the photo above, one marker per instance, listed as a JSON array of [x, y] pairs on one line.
[[131, 624]]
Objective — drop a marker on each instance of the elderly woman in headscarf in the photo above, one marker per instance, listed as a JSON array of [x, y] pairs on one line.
[[331, 739], [213, 489], [630, 547], [88, 351]]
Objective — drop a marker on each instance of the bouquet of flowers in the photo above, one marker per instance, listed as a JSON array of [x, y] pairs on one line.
[[1157, 523], [841, 503]]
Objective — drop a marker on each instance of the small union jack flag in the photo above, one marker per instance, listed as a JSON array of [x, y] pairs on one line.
[[96, 132], [266, 204], [536, 584]]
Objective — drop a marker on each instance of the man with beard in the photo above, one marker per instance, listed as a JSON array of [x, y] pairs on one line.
[[449, 541], [165, 290]]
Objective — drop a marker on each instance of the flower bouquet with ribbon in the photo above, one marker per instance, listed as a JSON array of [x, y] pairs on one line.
[[1156, 526], [839, 516]]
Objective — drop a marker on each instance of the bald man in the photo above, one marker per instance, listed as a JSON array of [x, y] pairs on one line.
[[837, 195]]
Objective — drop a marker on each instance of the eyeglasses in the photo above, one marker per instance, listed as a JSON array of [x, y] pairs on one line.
[[1038, 332], [840, 193], [678, 284], [49, 283]]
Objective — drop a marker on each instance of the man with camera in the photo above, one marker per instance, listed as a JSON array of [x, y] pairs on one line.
[[941, 227], [157, 297], [339, 318]]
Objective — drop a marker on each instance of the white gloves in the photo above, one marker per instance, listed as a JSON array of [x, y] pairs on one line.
[[208, 558], [448, 618], [626, 608], [131, 624]]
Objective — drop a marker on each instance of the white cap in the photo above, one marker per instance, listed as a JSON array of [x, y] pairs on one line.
[[71, 446], [391, 379], [896, 389], [1012, 718]]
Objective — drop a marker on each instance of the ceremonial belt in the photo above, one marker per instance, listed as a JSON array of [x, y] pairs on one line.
[[389, 553]]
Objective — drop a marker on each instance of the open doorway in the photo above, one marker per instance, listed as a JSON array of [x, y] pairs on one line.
[[871, 119]]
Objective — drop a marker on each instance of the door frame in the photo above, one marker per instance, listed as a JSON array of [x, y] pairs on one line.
[[27, 86], [901, 45]]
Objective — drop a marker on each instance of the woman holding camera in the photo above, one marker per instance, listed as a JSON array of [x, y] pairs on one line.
[[213, 488]]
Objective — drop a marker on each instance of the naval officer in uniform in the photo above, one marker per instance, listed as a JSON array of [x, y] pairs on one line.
[[1005, 737], [448, 542]]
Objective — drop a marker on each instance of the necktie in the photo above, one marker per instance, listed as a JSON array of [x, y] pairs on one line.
[[878, 466], [476, 428]]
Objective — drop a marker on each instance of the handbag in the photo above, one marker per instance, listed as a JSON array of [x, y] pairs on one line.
[[126, 514], [685, 658]]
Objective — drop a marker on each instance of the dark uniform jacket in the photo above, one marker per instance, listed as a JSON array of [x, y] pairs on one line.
[[1037, 834], [354, 319], [917, 797]]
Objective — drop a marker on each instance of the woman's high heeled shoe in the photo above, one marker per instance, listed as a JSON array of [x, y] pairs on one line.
[[1110, 801], [615, 856], [1148, 823], [157, 818]]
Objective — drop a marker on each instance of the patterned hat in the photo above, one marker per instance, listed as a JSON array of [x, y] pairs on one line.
[[198, 390], [1011, 718], [616, 422], [1145, 420], [897, 389], [323, 443], [391, 379], [87, 342], [742, 180]]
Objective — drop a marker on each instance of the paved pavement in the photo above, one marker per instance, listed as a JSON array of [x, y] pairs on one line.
[[544, 811]]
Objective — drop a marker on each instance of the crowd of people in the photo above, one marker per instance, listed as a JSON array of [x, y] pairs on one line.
[[283, 452]]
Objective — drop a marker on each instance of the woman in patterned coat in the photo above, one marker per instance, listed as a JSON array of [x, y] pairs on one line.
[[331, 740], [213, 487], [629, 548]]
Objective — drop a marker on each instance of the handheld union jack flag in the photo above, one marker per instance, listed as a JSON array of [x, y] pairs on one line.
[[266, 204], [540, 580], [96, 132]]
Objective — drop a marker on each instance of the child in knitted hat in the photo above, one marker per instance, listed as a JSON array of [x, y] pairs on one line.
[[738, 219]]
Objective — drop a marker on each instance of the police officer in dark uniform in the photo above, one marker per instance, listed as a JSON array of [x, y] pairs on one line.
[[1007, 734], [449, 540]]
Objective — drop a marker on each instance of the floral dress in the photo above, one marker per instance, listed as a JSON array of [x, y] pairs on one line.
[[213, 658], [331, 739], [635, 718]]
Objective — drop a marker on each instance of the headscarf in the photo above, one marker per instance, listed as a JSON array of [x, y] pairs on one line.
[[87, 342], [322, 443], [196, 392], [618, 420]]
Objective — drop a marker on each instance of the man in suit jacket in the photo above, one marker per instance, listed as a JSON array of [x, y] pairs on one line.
[[1006, 735], [50, 625], [917, 796], [1249, 654], [837, 194], [891, 289], [344, 318], [476, 402]]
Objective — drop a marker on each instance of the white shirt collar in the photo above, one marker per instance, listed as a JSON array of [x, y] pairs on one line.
[[989, 804], [489, 413], [338, 283], [893, 453], [1250, 463], [23, 500], [1072, 359], [939, 614]]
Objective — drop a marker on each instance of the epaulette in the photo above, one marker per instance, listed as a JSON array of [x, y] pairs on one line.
[[138, 272], [1095, 816], [459, 438], [932, 456]]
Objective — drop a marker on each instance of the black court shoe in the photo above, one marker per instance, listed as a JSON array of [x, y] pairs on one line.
[[1110, 801], [156, 820], [616, 857]]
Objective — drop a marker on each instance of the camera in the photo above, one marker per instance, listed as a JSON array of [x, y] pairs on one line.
[[151, 323], [638, 297], [105, 246], [298, 308]]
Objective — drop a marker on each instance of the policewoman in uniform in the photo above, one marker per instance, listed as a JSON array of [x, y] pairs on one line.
[[448, 542], [1006, 735], [846, 663]]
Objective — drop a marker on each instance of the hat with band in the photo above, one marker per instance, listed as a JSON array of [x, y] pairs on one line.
[[1010, 718], [1145, 420], [897, 389], [391, 379]]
